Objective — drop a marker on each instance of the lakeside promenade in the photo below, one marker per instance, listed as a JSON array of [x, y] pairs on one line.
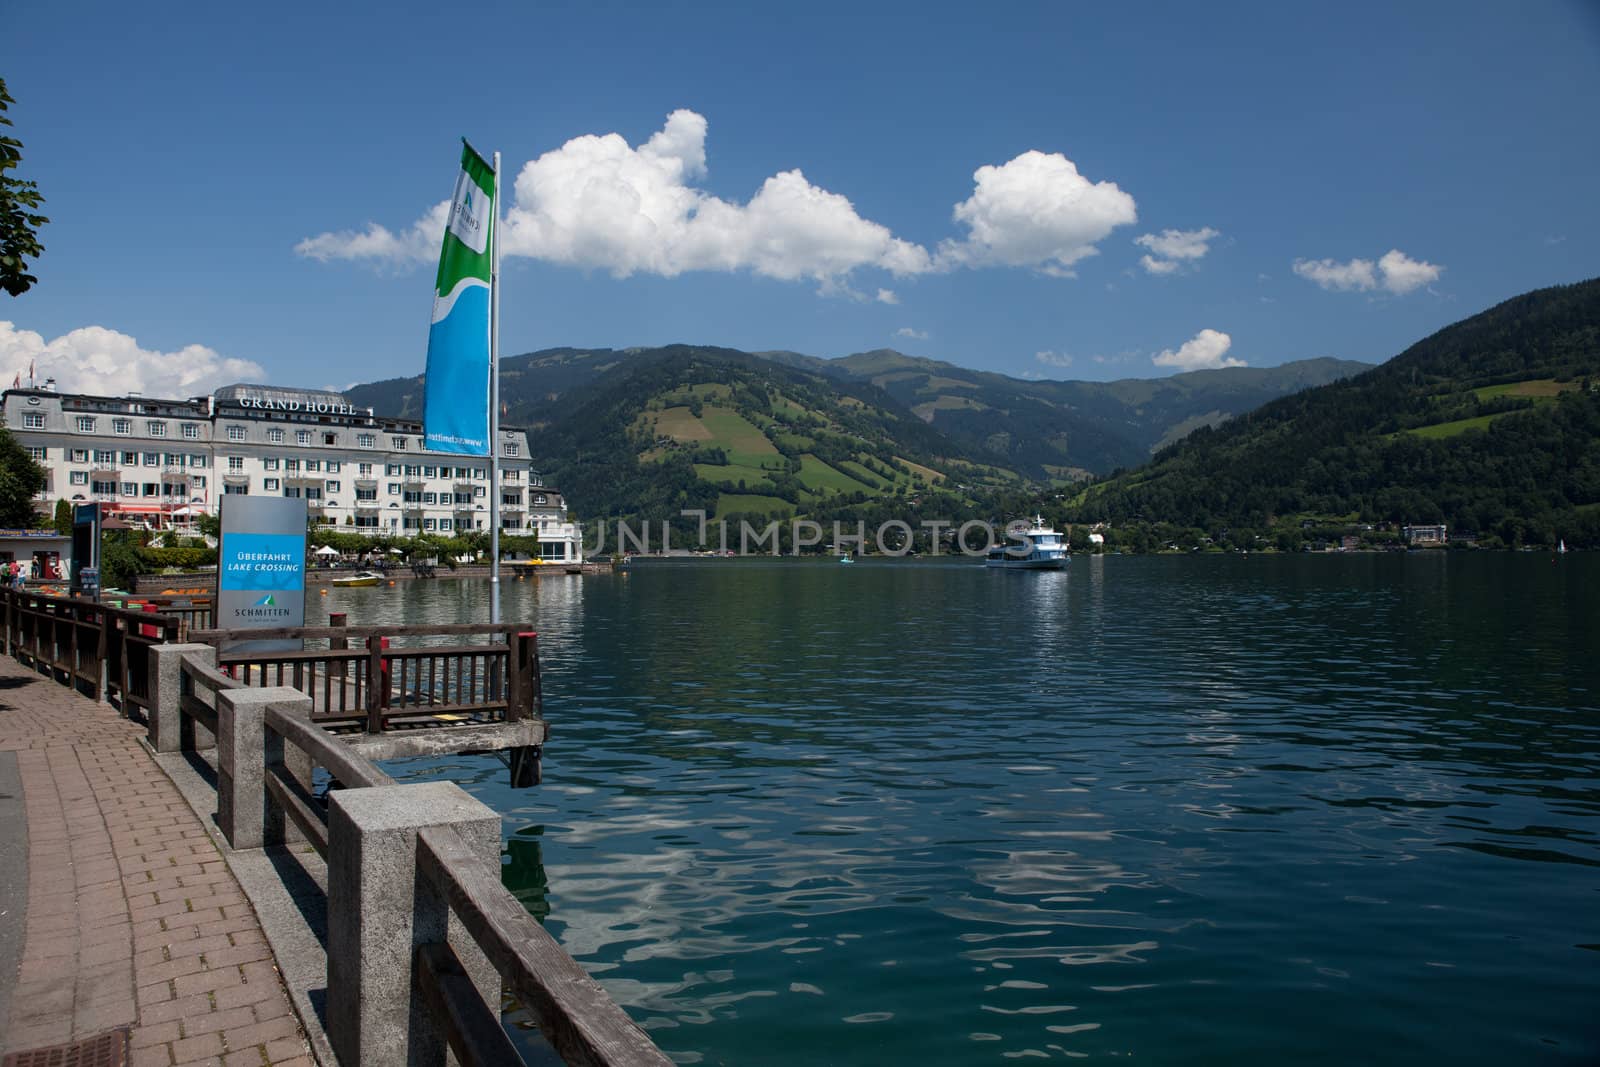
[[132, 919]]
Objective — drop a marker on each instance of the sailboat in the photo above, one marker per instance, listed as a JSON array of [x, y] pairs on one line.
[[1561, 547]]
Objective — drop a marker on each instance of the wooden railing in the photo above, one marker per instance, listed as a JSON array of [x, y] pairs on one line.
[[362, 676], [103, 650], [374, 931]]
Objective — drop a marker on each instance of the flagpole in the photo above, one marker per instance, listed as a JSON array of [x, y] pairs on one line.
[[494, 403]]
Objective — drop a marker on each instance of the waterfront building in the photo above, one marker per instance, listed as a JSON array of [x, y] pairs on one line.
[[161, 463]]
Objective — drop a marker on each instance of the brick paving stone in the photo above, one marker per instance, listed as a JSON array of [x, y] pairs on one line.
[[133, 916]]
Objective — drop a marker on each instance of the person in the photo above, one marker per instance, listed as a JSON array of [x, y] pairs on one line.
[[11, 573]]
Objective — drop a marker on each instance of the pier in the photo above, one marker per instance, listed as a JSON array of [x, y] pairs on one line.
[[373, 976]]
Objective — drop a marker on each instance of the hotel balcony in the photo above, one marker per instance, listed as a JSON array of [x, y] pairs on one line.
[[105, 472], [236, 478], [366, 483], [368, 505]]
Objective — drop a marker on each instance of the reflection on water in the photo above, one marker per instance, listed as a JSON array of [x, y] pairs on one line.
[[1197, 810]]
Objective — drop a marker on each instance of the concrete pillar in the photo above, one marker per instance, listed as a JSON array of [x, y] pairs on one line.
[[380, 909], [245, 814], [166, 684]]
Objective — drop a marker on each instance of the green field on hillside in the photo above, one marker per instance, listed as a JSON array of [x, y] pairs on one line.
[[819, 477], [731, 472]]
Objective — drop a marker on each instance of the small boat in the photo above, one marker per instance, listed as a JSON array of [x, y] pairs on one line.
[[1561, 547], [358, 578], [846, 559], [1040, 549]]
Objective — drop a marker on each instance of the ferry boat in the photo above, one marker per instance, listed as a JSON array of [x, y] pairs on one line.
[[1044, 549]]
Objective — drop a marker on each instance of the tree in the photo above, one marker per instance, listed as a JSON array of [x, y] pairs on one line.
[[63, 517], [20, 479], [19, 223]]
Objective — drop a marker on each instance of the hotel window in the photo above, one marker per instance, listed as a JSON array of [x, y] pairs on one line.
[[32, 420], [329, 438], [399, 443], [479, 492], [199, 481], [236, 433], [313, 493], [85, 424], [152, 459], [130, 489], [394, 488], [122, 426], [152, 488], [463, 498], [366, 494], [333, 466], [156, 429], [275, 436], [242, 489], [429, 498], [191, 430], [366, 440], [270, 464], [430, 472], [130, 459], [78, 477], [511, 500], [413, 472], [269, 485], [366, 522], [80, 455], [235, 464], [412, 524], [445, 524], [428, 524], [103, 488], [364, 470], [391, 469], [198, 459], [313, 464], [333, 487], [104, 455], [291, 465], [302, 437], [173, 459], [513, 450], [539, 498], [292, 491]]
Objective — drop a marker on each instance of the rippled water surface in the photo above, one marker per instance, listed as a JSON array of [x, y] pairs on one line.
[[1201, 810]]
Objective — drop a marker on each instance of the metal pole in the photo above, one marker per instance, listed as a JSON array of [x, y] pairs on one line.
[[494, 403]]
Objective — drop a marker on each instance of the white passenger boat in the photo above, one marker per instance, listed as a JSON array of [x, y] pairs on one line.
[[1037, 548]]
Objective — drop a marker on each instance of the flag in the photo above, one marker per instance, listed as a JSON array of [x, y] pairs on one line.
[[455, 397]]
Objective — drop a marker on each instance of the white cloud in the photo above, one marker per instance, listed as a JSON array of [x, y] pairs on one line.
[[598, 203], [915, 335], [887, 296], [1356, 274], [1053, 359], [1204, 351], [1036, 211], [1395, 271], [419, 243], [1401, 273], [90, 359], [1175, 248]]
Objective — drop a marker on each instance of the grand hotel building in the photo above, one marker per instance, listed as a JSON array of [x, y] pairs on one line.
[[161, 462]]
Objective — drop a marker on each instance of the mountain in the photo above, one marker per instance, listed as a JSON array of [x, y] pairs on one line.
[[735, 434], [1049, 429], [1491, 425], [1043, 430]]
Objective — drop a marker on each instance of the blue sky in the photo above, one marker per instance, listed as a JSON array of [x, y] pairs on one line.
[[246, 194]]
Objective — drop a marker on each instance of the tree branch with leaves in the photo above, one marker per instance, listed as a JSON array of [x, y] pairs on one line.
[[19, 217]]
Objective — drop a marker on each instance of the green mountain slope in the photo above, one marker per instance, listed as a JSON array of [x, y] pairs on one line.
[[731, 433], [1050, 428], [1491, 425]]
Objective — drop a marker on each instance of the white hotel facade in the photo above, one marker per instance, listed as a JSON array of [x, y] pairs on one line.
[[160, 463]]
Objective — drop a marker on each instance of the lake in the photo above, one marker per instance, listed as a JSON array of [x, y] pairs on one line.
[[1208, 809]]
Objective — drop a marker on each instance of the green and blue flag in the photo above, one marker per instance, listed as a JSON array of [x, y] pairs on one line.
[[455, 403]]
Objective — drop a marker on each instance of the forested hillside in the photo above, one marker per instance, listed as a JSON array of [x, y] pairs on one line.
[[1491, 425]]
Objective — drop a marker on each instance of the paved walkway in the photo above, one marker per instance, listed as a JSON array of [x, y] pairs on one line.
[[133, 918]]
